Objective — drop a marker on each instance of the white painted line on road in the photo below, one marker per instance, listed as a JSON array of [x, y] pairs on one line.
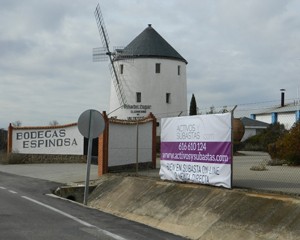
[[11, 191], [3, 188], [117, 237]]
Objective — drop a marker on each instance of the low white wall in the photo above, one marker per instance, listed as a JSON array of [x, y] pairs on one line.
[[122, 144], [65, 139]]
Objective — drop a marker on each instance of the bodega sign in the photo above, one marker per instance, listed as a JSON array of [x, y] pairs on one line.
[[52, 140], [197, 149]]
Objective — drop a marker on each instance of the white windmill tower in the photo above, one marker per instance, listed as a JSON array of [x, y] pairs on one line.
[[148, 75]]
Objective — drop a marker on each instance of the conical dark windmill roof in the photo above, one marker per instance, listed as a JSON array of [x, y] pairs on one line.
[[149, 44]]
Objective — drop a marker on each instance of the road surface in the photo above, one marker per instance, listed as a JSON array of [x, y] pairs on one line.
[[28, 212]]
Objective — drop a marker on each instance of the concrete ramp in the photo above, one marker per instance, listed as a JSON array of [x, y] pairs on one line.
[[196, 211]]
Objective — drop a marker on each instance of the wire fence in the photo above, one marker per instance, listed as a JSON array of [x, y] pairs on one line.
[[268, 156], [254, 170]]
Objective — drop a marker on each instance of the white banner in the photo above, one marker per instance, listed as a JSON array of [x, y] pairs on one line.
[[52, 140], [197, 149]]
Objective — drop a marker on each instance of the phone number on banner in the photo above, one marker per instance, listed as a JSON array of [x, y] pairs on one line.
[[192, 146]]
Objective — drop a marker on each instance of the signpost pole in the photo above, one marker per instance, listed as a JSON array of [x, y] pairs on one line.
[[88, 164], [88, 167], [90, 124]]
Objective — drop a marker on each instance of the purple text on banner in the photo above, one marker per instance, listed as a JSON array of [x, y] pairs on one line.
[[208, 152]]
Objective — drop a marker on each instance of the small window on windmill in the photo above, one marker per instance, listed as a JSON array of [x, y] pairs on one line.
[[168, 97], [157, 68], [138, 96], [178, 70], [121, 68]]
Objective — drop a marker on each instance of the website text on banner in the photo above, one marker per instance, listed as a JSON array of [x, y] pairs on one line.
[[197, 149]]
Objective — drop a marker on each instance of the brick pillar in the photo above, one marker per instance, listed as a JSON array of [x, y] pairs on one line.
[[9, 138], [100, 155], [103, 148]]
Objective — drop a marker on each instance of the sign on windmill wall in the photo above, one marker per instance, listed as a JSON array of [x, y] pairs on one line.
[[197, 149]]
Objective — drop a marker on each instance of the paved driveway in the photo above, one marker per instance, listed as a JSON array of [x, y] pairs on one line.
[[274, 178], [62, 173]]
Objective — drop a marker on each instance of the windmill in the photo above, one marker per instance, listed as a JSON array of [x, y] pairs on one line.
[[154, 71], [100, 54]]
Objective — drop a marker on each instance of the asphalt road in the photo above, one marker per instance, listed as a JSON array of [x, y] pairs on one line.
[[28, 212]]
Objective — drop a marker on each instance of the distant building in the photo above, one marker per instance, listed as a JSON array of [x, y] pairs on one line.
[[252, 127], [287, 115]]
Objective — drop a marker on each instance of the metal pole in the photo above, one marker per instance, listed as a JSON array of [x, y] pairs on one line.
[[137, 147], [88, 166], [232, 112]]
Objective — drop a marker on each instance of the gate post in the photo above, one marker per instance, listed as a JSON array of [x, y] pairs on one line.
[[103, 148], [9, 138]]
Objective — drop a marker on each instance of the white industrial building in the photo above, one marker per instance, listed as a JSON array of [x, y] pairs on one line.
[[152, 78], [286, 115]]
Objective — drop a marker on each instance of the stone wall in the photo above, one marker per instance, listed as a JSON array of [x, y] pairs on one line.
[[17, 158]]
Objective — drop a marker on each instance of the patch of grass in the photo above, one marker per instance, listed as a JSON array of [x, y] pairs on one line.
[[260, 167]]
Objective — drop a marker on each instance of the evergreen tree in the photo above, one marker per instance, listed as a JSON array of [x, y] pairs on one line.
[[193, 106]]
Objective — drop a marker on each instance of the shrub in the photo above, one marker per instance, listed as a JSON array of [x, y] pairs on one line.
[[261, 141], [287, 147]]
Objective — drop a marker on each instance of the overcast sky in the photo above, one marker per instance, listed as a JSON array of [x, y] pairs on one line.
[[238, 52]]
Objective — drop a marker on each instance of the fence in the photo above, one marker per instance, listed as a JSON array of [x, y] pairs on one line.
[[268, 158]]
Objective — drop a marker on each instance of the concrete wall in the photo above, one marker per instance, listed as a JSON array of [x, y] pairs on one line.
[[197, 211]]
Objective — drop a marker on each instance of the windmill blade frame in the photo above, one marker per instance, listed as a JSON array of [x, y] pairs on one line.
[[105, 42], [99, 54]]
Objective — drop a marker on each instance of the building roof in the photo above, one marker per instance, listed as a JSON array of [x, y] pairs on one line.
[[248, 122], [288, 108], [149, 44]]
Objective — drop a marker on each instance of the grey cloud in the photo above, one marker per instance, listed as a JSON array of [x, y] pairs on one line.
[[238, 52]]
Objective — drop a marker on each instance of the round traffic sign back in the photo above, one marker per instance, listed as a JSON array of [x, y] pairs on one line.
[[91, 123]]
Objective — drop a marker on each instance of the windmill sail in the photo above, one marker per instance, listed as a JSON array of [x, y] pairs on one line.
[[105, 42]]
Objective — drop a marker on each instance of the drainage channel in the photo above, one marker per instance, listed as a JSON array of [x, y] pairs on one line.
[[73, 193]]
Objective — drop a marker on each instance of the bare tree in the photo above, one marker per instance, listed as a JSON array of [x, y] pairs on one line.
[[53, 123], [212, 110], [17, 123]]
